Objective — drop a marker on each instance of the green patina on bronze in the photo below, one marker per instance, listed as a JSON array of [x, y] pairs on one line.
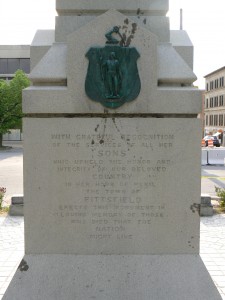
[[112, 77]]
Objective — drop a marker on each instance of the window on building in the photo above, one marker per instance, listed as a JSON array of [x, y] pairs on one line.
[[211, 85], [215, 123], [3, 66], [207, 87], [6, 78], [216, 83], [206, 103], [206, 120], [210, 120], [211, 102], [221, 81], [216, 101], [220, 120], [11, 65]]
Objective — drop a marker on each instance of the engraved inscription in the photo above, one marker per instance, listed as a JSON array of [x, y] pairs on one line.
[[108, 183]]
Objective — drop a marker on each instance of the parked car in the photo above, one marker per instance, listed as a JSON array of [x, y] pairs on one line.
[[212, 138]]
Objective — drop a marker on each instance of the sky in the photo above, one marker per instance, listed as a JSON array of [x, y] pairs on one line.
[[204, 22], [205, 25]]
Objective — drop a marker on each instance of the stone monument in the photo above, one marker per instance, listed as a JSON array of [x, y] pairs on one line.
[[112, 159]]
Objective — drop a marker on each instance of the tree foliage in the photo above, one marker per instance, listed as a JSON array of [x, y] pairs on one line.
[[220, 192], [11, 102]]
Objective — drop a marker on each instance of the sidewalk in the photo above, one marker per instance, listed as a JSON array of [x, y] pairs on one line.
[[11, 170], [212, 249], [11, 249]]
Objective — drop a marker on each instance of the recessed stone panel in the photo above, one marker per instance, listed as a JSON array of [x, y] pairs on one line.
[[135, 36], [112, 186]]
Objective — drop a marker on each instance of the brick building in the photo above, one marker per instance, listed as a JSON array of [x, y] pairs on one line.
[[214, 103]]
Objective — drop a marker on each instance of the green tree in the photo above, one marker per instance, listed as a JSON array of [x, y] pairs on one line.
[[11, 102]]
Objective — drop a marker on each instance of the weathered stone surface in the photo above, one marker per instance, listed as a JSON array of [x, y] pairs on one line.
[[206, 211], [158, 25], [183, 45], [16, 207], [16, 210], [166, 100], [41, 43], [52, 67], [17, 199], [158, 65], [205, 199], [178, 72], [206, 208], [111, 185], [99, 6], [69, 277], [68, 24]]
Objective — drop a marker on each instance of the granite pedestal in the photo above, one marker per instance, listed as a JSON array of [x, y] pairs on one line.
[[112, 196]]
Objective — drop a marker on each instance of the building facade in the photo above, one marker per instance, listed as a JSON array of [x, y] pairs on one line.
[[12, 58], [214, 104]]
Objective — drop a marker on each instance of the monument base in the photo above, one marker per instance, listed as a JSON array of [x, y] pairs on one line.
[[114, 277]]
